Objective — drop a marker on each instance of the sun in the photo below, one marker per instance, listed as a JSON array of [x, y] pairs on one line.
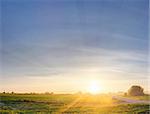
[[94, 87]]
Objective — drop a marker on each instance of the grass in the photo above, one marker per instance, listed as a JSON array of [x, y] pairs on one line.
[[66, 104]]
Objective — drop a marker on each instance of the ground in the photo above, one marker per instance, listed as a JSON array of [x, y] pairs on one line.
[[70, 104]]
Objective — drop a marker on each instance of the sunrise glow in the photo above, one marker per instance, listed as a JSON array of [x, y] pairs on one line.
[[94, 87]]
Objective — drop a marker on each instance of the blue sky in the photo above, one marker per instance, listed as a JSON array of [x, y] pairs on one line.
[[72, 40]]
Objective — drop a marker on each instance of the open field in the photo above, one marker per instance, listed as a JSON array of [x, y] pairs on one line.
[[67, 104]]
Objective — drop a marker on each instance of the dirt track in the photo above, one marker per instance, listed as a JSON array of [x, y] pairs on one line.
[[131, 101]]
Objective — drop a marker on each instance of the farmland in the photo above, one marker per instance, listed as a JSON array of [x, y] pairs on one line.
[[67, 104]]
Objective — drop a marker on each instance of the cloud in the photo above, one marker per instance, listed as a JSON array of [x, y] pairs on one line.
[[47, 61]]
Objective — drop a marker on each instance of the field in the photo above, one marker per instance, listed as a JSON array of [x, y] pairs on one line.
[[67, 104]]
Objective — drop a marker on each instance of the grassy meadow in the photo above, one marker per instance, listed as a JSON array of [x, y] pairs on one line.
[[67, 104]]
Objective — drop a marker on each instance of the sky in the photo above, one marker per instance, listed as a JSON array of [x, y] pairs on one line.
[[63, 45]]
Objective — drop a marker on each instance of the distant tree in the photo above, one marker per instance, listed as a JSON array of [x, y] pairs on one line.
[[51, 93], [125, 94], [4, 92], [47, 93], [136, 91]]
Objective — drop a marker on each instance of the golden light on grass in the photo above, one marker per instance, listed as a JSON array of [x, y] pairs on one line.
[[94, 87]]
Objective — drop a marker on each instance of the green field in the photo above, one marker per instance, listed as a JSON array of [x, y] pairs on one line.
[[66, 104]]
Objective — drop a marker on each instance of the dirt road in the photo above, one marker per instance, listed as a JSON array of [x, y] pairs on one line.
[[130, 101]]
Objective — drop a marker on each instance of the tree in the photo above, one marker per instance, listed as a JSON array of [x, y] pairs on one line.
[[136, 91], [125, 94]]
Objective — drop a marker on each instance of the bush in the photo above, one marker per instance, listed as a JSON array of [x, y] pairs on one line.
[[136, 91]]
